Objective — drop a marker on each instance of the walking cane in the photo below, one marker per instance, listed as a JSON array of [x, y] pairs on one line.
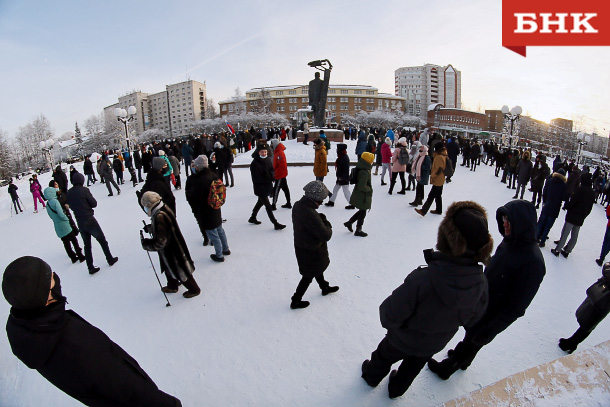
[[22, 204], [153, 267]]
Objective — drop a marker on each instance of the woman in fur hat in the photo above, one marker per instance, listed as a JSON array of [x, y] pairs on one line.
[[426, 311]]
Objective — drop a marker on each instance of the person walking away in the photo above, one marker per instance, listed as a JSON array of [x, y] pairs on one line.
[[412, 156], [377, 151], [117, 166], [425, 312], [176, 169], [453, 150], [168, 241], [280, 173], [187, 156], [578, 208], [437, 178], [12, 191], [106, 173], [362, 195], [553, 195], [475, 155], [360, 144], [82, 204], [421, 168], [514, 275], [524, 173], [138, 162], [128, 162], [60, 177], [386, 158], [312, 231], [320, 165], [36, 190], [88, 170], [69, 352], [342, 172], [63, 228], [209, 219], [540, 173], [399, 161], [261, 172]]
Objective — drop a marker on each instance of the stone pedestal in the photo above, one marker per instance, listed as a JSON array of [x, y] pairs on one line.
[[331, 135]]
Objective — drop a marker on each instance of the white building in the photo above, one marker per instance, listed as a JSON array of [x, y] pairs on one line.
[[424, 85]]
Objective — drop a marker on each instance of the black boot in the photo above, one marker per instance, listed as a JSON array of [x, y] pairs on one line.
[[444, 369], [348, 225], [330, 203], [278, 226], [360, 233], [253, 220], [330, 290], [297, 304], [287, 205]]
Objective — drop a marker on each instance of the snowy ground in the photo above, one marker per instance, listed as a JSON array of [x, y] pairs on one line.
[[239, 343]]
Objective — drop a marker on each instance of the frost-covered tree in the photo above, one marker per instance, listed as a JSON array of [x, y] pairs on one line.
[[78, 138], [29, 137], [210, 109], [6, 164], [239, 107], [151, 135]]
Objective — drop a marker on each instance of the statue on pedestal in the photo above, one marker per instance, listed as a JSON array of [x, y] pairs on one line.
[[318, 91]]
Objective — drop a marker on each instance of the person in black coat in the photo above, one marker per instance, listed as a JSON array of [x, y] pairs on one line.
[[117, 166], [12, 190], [579, 207], [426, 311], [453, 150], [155, 181], [73, 355], [524, 173], [261, 171], [82, 203], [88, 170], [342, 172], [60, 177], [312, 231], [591, 312], [514, 275], [197, 190], [553, 196], [137, 162], [540, 172]]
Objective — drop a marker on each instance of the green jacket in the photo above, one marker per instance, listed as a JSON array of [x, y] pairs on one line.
[[362, 196], [56, 213]]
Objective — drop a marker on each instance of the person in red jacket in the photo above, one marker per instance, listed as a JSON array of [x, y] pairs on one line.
[[386, 159], [280, 173]]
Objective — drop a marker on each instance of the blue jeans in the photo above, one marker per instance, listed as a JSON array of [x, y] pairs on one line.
[[219, 240], [545, 223]]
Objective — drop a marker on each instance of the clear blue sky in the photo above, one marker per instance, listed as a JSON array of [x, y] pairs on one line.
[[69, 59]]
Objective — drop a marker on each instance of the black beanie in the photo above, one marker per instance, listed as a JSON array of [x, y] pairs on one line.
[[78, 179], [26, 283], [472, 224]]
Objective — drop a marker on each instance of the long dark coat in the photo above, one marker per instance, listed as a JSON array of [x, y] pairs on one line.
[[597, 304], [342, 165], [262, 175], [425, 312], [168, 241], [553, 195], [362, 195], [156, 182], [311, 232], [80, 360], [580, 205], [88, 167], [60, 177], [524, 170], [540, 172], [197, 190]]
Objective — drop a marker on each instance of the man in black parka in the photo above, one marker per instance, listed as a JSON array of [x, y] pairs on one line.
[[261, 171], [312, 231], [426, 311], [514, 275], [73, 355]]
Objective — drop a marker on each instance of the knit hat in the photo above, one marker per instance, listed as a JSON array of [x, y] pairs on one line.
[[317, 141], [402, 141], [341, 147], [161, 153], [150, 199], [316, 190], [368, 157], [388, 141], [27, 282], [438, 147], [78, 179], [158, 163], [201, 161], [274, 143], [586, 179], [217, 145], [561, 171], [464, 232]]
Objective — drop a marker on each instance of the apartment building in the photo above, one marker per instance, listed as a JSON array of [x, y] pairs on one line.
[[422, 86], [456, 121]]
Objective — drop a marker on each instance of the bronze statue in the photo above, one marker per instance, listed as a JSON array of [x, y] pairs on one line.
[[318, 90]]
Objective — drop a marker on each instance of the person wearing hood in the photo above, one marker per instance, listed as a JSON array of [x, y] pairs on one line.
[[73, 355], [425, 312], [421, 169], [398, 166], [540, 173], [437, 177], [261, 171], [320, 164], [578, 208], [413, 153], [514, 275], [167, 240], [280, 173], [63, 228], [12, 191], [360, 144], [362, 195], [342, 172], [156, 181], [167, 171], [60, 177], [553, 195], [117, 166], [386, 159], [175, 162], [106, 173], [312, 231], [453, 150], [82, 203], [524, 173], [36, 190], [88, 170]]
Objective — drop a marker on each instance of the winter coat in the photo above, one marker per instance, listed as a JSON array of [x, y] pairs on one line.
[[362, 195], [280, 166], [320, 166], [342, 167], [453, 150], [222, 159], [261, 171], [106, 169], [147, 161], [378, 156], [597, 304], [197, 190], [557, 164], [475, 151], [175, 165], [311, 232], [137, 159], [437, 175], [580, 204], [386, 153], [56, 213], [156, 182], [12, 190], [36, 189], [540, 172], [514, 272], [524, 171], [60, 177], [88, 167], [573, 181], [426, 311], [80, 360], [514, 162], [361, 144], [553, 195], [81, 201], [424, 176], [187, 154], [168, 241], [117, 165], [396, 165]]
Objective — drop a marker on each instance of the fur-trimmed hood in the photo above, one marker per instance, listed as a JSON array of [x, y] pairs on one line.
[[454, 242], [559, 176]]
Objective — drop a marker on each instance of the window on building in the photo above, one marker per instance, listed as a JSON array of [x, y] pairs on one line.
[[279, 92], [357, 100], [344, 91], [279, 100], [305, 100], [343, 100], [344, 107], [370, 92], [292, 92], [358, 92], [331, 91]]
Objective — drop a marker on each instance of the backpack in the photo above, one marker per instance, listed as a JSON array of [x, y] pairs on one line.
[[448, 167], [353, 175], [403, 157], [217, 195]]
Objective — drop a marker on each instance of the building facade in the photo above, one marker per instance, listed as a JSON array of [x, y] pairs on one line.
[[342, 101], [172, 110], [456, 121], [422, 86]]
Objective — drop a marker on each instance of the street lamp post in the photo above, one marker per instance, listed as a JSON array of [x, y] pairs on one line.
[[125, 116], [582, 141], [513, 116]]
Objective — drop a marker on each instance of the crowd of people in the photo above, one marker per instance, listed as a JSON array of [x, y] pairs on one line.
[[462, 284]]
